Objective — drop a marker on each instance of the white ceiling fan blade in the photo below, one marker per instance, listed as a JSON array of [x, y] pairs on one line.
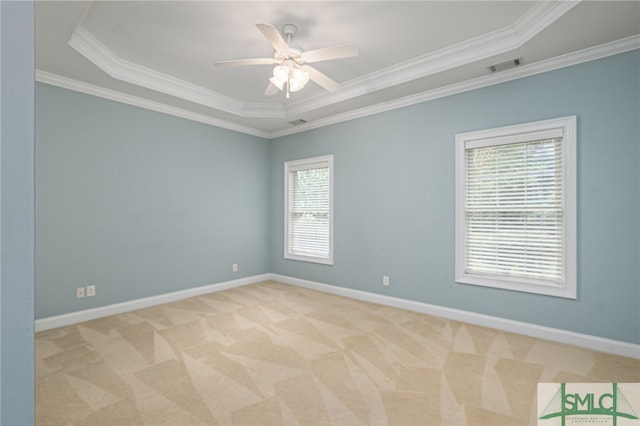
[[321, 79], [273, 35], [328, 53], [238, 62], [271, 90]]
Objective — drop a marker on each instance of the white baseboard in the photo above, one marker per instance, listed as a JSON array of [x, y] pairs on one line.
[[595, 343], [118, 308]]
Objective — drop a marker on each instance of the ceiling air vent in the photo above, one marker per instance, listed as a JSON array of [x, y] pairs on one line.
[[506, 65], [297, 122]]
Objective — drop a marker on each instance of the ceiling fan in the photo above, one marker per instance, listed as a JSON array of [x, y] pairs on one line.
[[291, 72]]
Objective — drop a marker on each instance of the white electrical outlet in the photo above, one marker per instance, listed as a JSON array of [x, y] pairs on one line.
[[79, 292], [91, 290], [385, 280], [234, 267]]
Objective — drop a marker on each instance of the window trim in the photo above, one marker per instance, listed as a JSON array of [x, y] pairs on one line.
[[568, 126], [302, 164]]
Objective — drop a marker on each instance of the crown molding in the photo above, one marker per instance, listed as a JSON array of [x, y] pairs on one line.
[[589, 54], [92, 49], [263, 110], [536, 19], [539, 17], [487, 45], [101, 92], [563, 61]]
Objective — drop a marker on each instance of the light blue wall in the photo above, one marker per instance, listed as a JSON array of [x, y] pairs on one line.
[[140, 203], [16, 213], [394, 197]]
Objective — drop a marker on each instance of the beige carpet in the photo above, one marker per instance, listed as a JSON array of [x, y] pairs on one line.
[[272, 354]]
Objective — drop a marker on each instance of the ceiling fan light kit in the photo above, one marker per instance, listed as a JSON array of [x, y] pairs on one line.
[[290, 73], [289, 77]]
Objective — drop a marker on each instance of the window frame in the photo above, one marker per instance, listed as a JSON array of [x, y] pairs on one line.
[[302, 164], [568, 288]]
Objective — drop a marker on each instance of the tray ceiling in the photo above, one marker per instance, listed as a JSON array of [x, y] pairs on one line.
[[160, 54]]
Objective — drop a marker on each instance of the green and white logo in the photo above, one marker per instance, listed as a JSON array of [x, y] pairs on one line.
[[588, 404]]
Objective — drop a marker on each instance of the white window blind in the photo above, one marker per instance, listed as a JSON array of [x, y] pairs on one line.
[[516, 207], [514, 210], [308, 213]]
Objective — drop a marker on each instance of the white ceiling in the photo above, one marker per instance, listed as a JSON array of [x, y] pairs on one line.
[[160, 54]]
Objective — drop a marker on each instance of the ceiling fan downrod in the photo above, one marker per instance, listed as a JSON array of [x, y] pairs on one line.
[[289, 31]]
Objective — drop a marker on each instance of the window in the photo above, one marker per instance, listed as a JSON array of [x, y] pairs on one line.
[[516, 208], [309, 210]]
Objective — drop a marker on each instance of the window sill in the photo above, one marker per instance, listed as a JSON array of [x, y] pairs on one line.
[[514, 284]]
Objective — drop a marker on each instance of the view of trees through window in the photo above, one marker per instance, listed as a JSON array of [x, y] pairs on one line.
[[309, 215], [514, 210]]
